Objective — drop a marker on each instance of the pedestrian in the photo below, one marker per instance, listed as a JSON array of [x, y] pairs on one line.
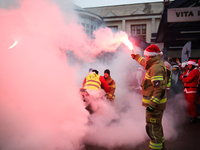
[[182, 66], [190, 81], [111, 84], [154, 87], [176, 83]]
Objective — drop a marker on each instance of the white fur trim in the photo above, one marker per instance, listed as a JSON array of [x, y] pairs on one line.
[[191, 63], [150, 53]]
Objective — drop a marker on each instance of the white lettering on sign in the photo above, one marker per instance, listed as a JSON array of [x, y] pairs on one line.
[[183, 14]]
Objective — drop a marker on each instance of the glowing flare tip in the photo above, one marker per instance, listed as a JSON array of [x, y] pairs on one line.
[[129, 44], [13, 45]]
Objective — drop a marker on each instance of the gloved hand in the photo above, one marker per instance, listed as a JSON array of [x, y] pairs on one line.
[[184, 76], [133, 55], [150, 109], [109, 96]]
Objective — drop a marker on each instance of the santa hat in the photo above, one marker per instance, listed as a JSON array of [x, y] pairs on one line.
[[192, 62], [152, 50], [199, 62], [184, 64]]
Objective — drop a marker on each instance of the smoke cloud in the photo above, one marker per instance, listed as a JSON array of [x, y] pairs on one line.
[[40, 106]]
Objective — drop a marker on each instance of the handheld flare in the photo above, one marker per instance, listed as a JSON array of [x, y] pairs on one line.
[[129, 44]]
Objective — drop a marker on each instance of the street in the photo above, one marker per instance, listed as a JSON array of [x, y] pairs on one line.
[[188, 139]]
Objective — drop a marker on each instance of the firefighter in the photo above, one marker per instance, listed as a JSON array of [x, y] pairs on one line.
[[190, 82], [94, 81], [169, 74], [111, 84], [154, 87]]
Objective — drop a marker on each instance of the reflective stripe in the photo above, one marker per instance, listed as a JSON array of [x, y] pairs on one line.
[[139, 60], [163, 139], [113, 96], [156, 100], [169, 84], [154, 78], [92, 82], [113, 86], [155, 145], [109, 94], [91, 86], [147, 76], [147, 101]]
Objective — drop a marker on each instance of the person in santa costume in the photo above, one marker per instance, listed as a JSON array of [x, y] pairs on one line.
[[190, 83], [199, 86]]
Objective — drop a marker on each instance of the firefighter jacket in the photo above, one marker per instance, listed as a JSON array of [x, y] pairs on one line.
[[190, 80], [169, 76], [154, 84], [94, 81], [112, 87]]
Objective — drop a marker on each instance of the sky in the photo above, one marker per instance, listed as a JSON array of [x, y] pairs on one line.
[[95, 3], [45, 56]]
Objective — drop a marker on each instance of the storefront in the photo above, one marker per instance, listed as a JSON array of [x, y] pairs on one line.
[[180, 23]]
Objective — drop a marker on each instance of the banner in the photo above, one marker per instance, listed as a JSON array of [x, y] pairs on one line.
[[186, 51]]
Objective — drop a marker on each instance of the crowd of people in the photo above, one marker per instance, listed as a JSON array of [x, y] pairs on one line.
[[186, 78], [162, 80]]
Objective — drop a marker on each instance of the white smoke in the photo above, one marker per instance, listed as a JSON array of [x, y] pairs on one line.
[[40, 106]]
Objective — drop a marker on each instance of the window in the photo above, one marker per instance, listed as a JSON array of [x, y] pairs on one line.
[[89, 26], [139, 31], [113, 28]]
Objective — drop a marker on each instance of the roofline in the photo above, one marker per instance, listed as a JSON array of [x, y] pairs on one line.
[[89, 13], [123, 5], [135, 15]]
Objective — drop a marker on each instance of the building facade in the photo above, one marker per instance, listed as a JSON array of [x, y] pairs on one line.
[[140, 20], [90, 21]]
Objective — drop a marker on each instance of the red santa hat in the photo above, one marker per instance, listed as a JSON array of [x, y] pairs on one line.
[[199, 62], [192, 62], [152, 50]]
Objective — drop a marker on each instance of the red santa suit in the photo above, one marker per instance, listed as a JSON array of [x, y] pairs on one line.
[[199, 82], [190, 83]]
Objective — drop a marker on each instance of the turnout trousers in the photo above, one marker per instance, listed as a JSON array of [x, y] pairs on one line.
[[154, 130]]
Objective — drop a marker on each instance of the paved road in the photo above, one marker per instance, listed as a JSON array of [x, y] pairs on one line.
[[187, 140]]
